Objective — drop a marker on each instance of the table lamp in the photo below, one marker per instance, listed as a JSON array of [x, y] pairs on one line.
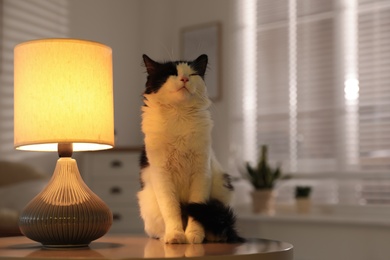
[[63, 101]]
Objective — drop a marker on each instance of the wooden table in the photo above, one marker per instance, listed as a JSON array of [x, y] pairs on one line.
[[133, 247]]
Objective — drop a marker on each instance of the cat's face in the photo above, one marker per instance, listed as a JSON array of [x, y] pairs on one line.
[[176, 83]]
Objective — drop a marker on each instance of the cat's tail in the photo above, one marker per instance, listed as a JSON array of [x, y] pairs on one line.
[[217, 219]]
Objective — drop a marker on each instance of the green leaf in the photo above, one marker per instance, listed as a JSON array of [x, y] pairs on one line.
[[264, 176]]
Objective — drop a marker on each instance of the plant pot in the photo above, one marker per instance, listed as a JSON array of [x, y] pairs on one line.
[[263, 201], [303, 205]]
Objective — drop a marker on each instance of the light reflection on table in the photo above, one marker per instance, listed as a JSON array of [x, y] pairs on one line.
[[132, 247]]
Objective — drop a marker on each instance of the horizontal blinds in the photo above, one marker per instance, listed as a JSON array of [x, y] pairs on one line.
[[324, 123], [316, 86], [315, 54], [272, 79], [374, 82], [22, 21], [314, 7], [333, 135], [271, 12]]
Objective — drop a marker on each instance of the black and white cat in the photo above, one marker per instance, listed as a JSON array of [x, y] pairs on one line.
[[184, 191]]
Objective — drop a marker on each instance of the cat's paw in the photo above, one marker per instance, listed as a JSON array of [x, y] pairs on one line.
[[195, 236], [175, 237]]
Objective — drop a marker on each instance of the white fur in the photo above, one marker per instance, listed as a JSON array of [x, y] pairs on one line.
[[177, 127]]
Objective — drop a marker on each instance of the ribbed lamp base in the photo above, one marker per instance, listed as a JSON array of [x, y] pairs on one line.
[[66, 213]]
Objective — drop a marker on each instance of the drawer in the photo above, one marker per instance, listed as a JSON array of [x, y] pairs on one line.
[[113, 164], [126, 220], [116, 190]]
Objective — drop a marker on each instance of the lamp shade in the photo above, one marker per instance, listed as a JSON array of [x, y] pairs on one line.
[[63, 93]]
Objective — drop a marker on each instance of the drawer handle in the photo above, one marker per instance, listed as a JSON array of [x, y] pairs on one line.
[[116, 164], [116, 190], [116, 217]]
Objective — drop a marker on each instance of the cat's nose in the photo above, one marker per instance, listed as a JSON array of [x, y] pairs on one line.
[[184, 79]]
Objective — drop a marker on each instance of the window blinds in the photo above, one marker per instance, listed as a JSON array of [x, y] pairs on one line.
[[22, 21], [323, 95], [324, 118], [374, 81]]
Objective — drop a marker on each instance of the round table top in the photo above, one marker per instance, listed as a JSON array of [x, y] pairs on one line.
[[133, 247]]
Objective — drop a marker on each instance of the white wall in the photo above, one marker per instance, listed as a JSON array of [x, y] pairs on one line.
[[162, 22], [116, 24], [152, 27]]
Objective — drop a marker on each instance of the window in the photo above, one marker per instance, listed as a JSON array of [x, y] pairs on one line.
[[320, 96], [22, 21]]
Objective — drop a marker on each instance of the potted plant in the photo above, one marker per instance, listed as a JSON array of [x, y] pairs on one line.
[[302, 199], [263, 178]]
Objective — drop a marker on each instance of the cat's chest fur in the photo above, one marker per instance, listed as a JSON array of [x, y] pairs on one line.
[[178, 141], [176, 129]]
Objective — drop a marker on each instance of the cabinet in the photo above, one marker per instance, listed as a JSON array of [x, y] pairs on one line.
[[114, 177]]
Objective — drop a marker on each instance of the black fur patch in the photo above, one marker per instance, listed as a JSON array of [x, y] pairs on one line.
[[158, 73], [216, 218], [227, 181], [199, 65], [144, 162]]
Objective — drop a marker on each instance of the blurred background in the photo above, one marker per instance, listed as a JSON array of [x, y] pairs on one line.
[[307, 78]]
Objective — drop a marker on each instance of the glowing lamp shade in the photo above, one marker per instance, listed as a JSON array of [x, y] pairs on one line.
[[63, 101], [63, 94]]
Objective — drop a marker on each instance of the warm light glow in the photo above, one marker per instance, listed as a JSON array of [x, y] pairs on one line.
[[249, 82], [351, 89], [63, 93], [292, 84], [351, 83]]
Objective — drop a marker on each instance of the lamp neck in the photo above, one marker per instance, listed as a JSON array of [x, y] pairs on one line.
[[65, 149]]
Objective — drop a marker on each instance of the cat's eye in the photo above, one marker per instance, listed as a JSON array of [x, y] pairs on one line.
[[195, 74]]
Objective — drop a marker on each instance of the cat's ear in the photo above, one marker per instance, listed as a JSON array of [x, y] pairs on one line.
[[200, 64], [150, 64]]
